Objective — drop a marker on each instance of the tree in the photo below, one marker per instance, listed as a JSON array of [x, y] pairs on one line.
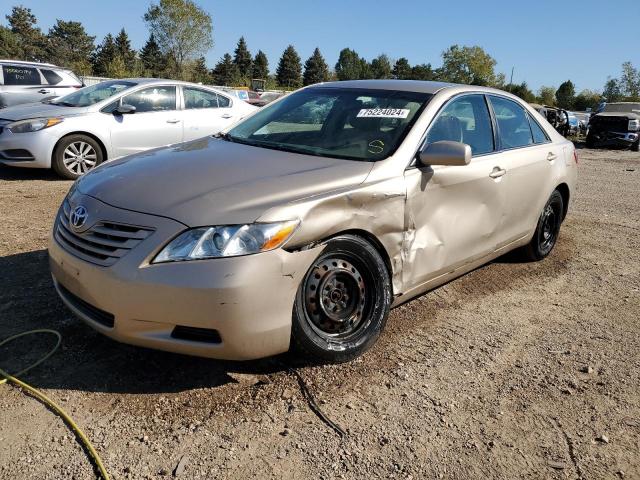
[[153, 61], [30, 39], [522, 90], [565, 95], [547, 96], [9, 43], [199, 72], [402, 69], [423, 72], [381, 67], [587, 99], [316, 69], [182, 29], [226, 72], [349, 65], [104, 56], [260, 67], [69, 45], [612, 91], [289, 69], [630, 82], [242, 59], [469, 65], [129, 55], [116, 68]]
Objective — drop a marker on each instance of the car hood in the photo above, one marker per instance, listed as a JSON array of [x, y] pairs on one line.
[[36, 110], [629, 115], [210, 181]]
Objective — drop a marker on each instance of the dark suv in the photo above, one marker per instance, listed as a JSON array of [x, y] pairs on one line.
[[617, 124], [27, 82]]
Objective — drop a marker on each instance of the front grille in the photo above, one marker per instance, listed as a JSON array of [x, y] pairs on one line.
[[103, 244], [105, 319], [195, 334], [619, 124]]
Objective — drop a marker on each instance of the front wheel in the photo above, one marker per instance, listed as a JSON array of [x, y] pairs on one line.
[[636, 146], [342, 304], [547, 229], [75, 155]]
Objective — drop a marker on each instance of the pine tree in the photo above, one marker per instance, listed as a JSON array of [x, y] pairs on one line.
[[315, 69], [104, 56], [29, 39], [289, 69], [381, 67], [69, 45], [123, 46], [226, 72], [242, 59], [350, 65], [153, 61], [199, 72], [260, 66], [402, 69]]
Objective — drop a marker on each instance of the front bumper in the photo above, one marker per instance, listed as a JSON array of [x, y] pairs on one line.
[[619, 139], [247, 300], [37, 147]]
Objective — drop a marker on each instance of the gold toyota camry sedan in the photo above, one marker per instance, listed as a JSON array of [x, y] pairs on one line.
[[303, 225]]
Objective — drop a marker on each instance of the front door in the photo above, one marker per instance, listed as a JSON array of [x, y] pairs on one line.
[[155, 123], [454, 213]]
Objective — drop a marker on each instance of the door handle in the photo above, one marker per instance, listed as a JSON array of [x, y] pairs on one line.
[[44, 90], [551, 156], [173, 120], [227, 115], [497, 172]]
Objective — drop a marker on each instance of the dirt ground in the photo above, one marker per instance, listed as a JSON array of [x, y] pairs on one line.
[[517, 370]]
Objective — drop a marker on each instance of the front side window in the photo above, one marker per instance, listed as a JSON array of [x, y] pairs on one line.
[[513, 124], [467, 120], [152, 99], [19, 75], [95, 93], [196, 98], [354, 124], [52, 77]]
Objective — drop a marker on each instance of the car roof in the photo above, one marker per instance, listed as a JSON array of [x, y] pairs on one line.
[[399, 85], [34, 64]]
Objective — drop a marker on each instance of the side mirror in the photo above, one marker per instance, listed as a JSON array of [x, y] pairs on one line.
[[445, 152], [125, 109]]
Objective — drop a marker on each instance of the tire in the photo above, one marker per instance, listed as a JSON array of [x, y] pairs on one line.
[[589, 142], [76, 155], [636, 146], [347, 317], [547, 229]]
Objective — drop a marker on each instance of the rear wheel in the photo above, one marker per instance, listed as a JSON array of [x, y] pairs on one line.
[[75, 155], [590, 143], [342, 303], [547, 230]]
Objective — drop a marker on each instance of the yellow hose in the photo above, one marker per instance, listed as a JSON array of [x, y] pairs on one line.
[[50, 403]]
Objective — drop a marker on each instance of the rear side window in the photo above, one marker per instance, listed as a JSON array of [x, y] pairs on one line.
[[52, 77], [154, 99], [465, 119], [19, 75], [513, 124], [539, 135], [196, 98]]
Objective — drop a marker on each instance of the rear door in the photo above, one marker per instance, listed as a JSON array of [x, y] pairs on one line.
[[59, 82], [205, 112], [21, 84], [528, 156], [156, 122]]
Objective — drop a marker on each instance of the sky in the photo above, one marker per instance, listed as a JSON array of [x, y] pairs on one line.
[[545, 42]]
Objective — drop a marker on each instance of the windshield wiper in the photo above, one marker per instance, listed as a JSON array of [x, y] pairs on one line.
[[64, 104]]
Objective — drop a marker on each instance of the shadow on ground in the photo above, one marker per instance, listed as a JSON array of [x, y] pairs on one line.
[[87, 360], [17, 173]]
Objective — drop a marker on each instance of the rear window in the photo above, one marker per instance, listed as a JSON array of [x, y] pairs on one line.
[[52, 77], [19, 75], [513, 124], [223, 101]]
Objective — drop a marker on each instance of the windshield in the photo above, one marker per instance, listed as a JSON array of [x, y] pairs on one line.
[[622, 107], [95, 93], [348, 123]]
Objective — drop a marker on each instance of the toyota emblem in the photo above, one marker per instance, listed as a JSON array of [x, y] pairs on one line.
[[78, 217]]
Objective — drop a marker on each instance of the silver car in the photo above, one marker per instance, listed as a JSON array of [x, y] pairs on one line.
[[301, 226], [75, 133], [27, 82]]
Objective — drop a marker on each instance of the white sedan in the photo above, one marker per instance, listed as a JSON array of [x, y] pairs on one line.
[[75, 133]]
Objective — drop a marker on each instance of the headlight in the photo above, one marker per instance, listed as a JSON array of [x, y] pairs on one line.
[[634, 125], [226, 241], [32, 125]]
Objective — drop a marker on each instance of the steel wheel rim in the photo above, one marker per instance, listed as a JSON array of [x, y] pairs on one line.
[[335, 298], [79, 157], [549, 230]]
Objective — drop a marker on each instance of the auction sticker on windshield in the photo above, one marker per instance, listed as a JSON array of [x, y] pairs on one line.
[[384, 112]]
